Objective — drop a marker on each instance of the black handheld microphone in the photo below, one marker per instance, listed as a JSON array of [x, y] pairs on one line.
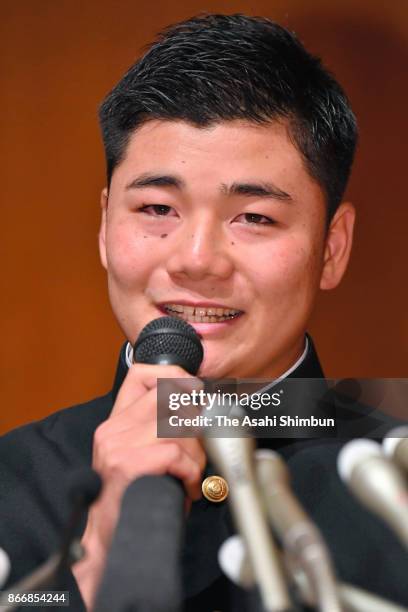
[[169, 341], [143, 571]]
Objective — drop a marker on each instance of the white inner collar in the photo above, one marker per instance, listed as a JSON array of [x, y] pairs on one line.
[[129, 361]]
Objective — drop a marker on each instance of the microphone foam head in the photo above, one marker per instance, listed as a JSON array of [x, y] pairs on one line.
[[4, 567], [170, 336], [353, 453], [393, 437]]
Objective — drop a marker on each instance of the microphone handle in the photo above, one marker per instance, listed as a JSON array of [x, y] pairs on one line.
[[143, 570], [358, 600], [353, 599]]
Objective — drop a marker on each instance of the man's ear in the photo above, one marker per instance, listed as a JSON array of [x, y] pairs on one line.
[[102, 230], [338, 244]]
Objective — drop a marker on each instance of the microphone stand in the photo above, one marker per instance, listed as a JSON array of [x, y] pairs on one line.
[[352, 598], [44, 575], [234, 458], [85, 486]]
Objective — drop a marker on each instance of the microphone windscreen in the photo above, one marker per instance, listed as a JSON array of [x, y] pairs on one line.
[[353, 453], [4, 567], [393, 438], [172, 338], [233, 560]]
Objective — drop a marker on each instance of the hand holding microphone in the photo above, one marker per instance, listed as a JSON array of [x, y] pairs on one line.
[[134, 583], [126, 446]]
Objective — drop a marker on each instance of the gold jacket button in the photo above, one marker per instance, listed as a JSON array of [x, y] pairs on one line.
[[215, 489]]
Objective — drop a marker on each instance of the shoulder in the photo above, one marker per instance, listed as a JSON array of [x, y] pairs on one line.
[[35, 462], [35, 455], [66, 433]]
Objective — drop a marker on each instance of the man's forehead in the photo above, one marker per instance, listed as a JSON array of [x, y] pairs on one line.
[[236, 157], [241, 149]]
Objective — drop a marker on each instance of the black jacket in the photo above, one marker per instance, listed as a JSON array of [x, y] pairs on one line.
[[36, 459]]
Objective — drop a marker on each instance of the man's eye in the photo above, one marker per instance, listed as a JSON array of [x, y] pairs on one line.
[[256, 219], [156, 210]]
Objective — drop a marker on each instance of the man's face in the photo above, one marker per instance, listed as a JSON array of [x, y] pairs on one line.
[[217, 219]]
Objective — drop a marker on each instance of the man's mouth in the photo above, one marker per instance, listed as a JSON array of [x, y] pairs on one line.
[[200, 314]]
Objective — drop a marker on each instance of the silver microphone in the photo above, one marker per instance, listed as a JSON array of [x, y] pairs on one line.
[[395, 445], [300, 537], [234, 459], [377, 482], [233, 561]]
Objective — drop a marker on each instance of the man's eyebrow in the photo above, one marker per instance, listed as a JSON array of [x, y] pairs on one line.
[[260, 190], [155, 180]]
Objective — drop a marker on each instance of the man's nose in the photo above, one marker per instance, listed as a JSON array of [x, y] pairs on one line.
[[201, 251]]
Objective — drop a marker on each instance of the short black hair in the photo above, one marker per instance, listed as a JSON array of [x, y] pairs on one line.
[[214, 68]]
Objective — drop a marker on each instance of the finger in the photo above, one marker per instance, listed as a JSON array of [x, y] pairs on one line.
[[135, 415], [143, 436], [143, 377], [169, 458]]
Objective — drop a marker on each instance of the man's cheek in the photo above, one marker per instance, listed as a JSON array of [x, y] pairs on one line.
[[125, 259], [298, 276], [290, 266]]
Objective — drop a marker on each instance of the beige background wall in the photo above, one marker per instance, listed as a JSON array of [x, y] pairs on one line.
[[59, 58]]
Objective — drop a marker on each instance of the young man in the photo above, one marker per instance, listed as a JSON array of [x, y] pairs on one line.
[[228, 150]]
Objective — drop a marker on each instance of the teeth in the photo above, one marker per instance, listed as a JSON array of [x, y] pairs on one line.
[[177, 307], [200, 314]]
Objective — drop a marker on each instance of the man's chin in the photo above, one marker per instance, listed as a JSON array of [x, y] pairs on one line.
[[215, 367]]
